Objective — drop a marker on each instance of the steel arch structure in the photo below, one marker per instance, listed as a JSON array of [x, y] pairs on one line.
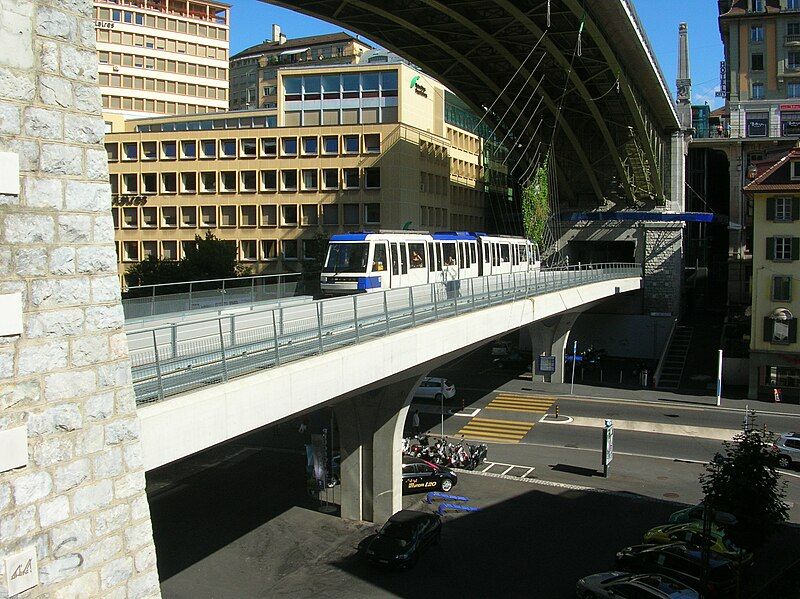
[[605, 110]]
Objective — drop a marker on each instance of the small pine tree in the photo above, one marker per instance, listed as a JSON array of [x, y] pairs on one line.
[[744, 482]]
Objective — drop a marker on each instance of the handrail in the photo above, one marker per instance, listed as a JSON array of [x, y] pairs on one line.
[[171, 359], [663, 358]]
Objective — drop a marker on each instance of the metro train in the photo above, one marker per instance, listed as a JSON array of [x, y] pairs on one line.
[[367, 262]]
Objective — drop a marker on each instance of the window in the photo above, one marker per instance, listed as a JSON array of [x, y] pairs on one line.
[[169, 183], [227, 181], [269, 249], [330, 144], [330, 178], [248, 250], [756, 62], [288, 146], [189, 183], [372, 214], [189, 217], [289, 249], [149, 217], [372, 143], [227, 216], [208, 216], [248, 216], [372, 178], [130, 217], [169, 217], [793, 60], [794, 27], [757, 5], [780, 209], [782, 377], [169, 250], [288, 215], [269, 180], [208, 182], [188, 149], [130, 151], [758, 91], [208, 148], [247, 181], [781, 288], [269, 215], [149, 183], [310, 179], [783, 248], [227, 148], [112, 151], [289, 180], [330, 214], [130, 251], [248, 148], [350, 214], [269, 147], [351, 144], [757, 33], [795, 169], [792, 4], [793, 89], [351, 179], [310, 145], [309, 215]]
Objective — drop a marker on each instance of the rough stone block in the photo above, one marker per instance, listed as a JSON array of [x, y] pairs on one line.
[[87, 98], [105, 317], [84, 129], [55, 91], [56, 293], [89, 350], [93, 259], [103, 229], [97, 165], [51, 451], [44, 193], [67, 385], [108, 463], [18, 524], [116, 572], [78, 64], [85, 586], [30, 488], [54, 511], [71, 475], [44, 124], [74, 228], [61, 159], [122, 430], [144, 586], [62, 261], [56, 323], [105, 289], [140, 508], [6, 364], [30, 262], [99, 407], [10, 122], [138, 536], [93, 497], [15, 85], [29, 228], [111, 520], [55, 24], [88, 197], [102, 551], [91, 441], [129, 485], [42, 357], [23, 394], [145, 559]]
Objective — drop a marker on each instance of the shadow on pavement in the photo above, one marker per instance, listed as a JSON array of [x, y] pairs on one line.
[[575, 470]]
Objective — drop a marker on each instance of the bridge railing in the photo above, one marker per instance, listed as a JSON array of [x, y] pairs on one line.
[[169, 360]]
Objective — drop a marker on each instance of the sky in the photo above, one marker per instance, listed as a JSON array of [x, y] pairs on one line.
[[251, 23]]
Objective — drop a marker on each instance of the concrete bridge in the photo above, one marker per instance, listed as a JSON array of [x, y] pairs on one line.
[[362, 354]]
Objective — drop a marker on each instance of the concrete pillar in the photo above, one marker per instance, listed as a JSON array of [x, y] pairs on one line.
[[753, 378], [370, 434], [550, 337]]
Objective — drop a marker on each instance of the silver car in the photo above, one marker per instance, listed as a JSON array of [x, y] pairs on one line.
[[788, 448], [621, 584], [435, 388]]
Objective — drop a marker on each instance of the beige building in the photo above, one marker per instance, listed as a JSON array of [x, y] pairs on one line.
[[162, 56], [774, 348], [254, 71], [350, 148]]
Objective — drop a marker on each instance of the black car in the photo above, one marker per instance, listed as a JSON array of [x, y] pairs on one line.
[[421, 476], [402, 539], [682, 562]]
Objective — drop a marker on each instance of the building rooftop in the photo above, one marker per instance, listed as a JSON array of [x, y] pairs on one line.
[[272, 46], [775, 175], [740, 8]]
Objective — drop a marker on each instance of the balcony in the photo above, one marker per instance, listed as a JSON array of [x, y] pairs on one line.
[[791, 40]]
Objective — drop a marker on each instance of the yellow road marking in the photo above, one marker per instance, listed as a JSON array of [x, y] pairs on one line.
[[509, 422], [496, 428], [514, 409]]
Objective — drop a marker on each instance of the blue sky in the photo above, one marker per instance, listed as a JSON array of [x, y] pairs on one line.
[[252, 21]]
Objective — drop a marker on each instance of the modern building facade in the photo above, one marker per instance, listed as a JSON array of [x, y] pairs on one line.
[[160, 57], [254, 71], [774, 350], [349, 148]]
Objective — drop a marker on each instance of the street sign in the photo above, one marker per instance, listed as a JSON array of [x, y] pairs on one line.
[[608, 445], [545, 364], [723, 81]]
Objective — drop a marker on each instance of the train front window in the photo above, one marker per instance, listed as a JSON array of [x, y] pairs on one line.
[[347, 257]]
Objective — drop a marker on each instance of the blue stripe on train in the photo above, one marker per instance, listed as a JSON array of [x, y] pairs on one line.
[[369, 283]]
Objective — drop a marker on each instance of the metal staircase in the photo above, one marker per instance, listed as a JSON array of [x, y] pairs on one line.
[[675, 360]]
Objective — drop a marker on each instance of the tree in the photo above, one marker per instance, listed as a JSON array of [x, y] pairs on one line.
[[316, 249], [211, 258], [744, 482], [154, 271], [536, 204]]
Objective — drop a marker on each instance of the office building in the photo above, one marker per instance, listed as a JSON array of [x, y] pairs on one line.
[[348, 148], [774, 351], [254, 71], [162, 57]]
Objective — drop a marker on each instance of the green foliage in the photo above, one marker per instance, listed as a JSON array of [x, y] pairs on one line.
[[536, 204], [317, 250], [207, 258], [744, 482]]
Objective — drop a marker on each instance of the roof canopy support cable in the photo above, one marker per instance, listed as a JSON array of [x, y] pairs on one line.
[[511, 104]]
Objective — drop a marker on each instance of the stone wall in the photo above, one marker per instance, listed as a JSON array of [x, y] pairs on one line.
[[79, 501], [663, 267]]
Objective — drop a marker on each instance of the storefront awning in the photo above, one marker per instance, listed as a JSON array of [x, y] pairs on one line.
[[290, 52]]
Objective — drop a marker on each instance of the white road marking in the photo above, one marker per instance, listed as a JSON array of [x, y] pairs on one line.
[[705, 432], [546, 421], [466, 414]]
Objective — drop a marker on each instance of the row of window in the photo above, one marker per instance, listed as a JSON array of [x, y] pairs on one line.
[[464, 169], [249, 147], [464, 141], [247, 250], [113, 102], [247, 122], [760, 5], [433, 184], [364, 115], [163, 86], [783, 248], [272, 180], [337, 86], [785, 209], [162, 65], [216, 15], [467, 196], [132, 40], [252, 215]]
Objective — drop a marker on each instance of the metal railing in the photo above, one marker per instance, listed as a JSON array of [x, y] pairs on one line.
[[142, 301], [176, 358]]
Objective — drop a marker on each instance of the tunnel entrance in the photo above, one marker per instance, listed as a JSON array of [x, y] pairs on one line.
[[585, 252]]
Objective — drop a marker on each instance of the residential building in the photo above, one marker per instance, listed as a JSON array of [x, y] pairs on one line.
[[774, 348], [348, 148], [254, 71], [162, 57]]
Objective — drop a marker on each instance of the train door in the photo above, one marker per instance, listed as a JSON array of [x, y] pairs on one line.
[[379, 264], [449, 261], [399, 265], [417, 264]]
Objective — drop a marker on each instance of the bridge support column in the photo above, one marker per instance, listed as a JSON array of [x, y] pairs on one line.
[[550, 337], [370, 434]]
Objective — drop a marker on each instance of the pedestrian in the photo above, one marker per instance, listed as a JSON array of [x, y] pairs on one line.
[[415, 423], [720, 130], [305, 433], [776, 395]]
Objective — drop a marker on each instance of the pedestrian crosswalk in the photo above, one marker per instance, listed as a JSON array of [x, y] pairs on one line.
[[520, 402], [489, 429]]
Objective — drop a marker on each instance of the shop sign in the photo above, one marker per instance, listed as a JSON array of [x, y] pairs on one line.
[[104, 24]]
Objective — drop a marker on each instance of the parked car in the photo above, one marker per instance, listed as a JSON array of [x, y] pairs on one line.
[[435, 388], [501, 348], [788, 448], [402, 539], [695, 514], [513, 360], [683, 563], [634, 586], [692, 534], [421, 476]]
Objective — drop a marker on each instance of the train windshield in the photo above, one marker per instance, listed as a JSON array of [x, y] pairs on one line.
[[347, 257]]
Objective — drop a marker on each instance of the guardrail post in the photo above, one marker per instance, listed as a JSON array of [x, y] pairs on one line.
[[174, 339], [280, 318], [319, 325], [411, 303], [158, 368], [472, 293], [280, 288], [502, 289], [435, 302], [190, 297], [386, 312], [223, 292], [355, 317], [456, 291], [275, 338], [222, 351], [153, 302], [252, 291], [233, 330], [513, 286]]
